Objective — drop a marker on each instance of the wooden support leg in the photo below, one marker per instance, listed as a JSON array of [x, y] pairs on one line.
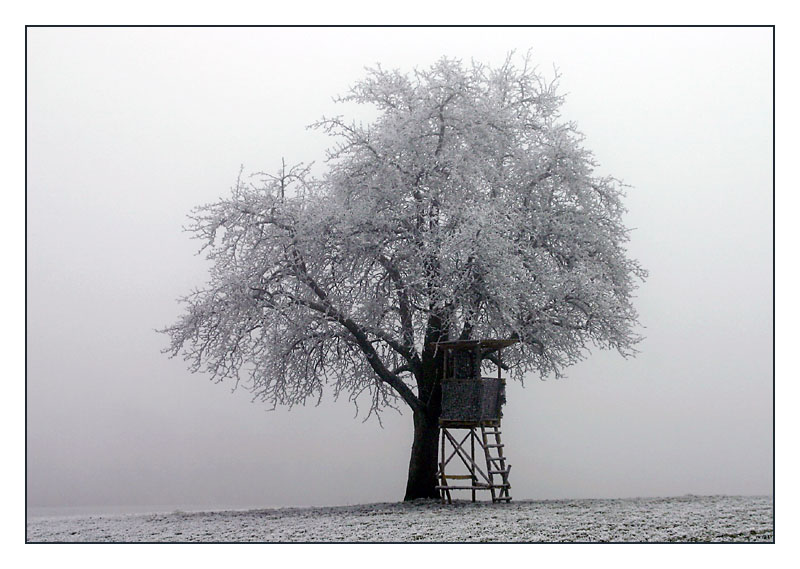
[[442, 478], [472, 469]]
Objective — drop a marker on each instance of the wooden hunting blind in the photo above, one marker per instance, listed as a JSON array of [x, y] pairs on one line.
[[473, 402]]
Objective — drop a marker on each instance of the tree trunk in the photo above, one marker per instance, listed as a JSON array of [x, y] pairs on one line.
[[424, 450], [424, 458]]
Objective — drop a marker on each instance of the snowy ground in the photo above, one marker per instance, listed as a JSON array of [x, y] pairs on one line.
[[684, 519]]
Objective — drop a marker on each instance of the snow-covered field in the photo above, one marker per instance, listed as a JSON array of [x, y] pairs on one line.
[[684, 519]]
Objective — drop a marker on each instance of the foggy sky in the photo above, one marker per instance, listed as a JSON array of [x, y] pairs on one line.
[[128, 129]]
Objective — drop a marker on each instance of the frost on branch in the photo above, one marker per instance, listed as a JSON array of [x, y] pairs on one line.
[[468, 209]]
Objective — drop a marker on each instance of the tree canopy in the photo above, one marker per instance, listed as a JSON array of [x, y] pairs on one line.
[[468, 209]]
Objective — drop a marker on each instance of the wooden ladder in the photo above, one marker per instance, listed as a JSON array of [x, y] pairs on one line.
[[496, 464]]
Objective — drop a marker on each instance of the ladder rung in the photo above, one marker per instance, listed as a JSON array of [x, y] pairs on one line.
[[459, 476], [478, 486], [504, 471], [496, 458]]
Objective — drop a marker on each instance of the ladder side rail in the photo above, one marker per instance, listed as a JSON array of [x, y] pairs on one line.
[[488, 463], [505, 491]]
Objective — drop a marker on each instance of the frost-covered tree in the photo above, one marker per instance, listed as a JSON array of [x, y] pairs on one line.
[[468, 209]]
